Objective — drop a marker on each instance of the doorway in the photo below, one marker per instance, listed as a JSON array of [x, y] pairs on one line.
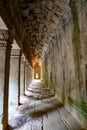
[[37, 71]]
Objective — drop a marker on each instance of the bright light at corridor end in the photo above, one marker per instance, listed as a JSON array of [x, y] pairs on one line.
[[37, 69]]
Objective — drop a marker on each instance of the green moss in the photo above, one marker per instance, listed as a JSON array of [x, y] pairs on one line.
[[81, 106], [76, 42]]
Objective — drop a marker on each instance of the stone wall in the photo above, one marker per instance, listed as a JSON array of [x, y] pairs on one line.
[[65, 60]]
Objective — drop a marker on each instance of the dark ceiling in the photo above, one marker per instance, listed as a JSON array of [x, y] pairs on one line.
[[32, 22]]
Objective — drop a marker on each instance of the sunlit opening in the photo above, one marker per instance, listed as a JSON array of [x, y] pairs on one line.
[[37, 69], [37, 76]]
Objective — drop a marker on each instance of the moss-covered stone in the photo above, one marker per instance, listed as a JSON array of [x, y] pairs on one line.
[[76, 43], [82, 107]]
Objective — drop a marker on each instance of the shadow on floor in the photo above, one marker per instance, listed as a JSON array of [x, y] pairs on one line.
[[9, 128], [41, 111], [28, 112]]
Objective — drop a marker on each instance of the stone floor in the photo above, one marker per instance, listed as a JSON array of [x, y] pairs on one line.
[[41, 110]]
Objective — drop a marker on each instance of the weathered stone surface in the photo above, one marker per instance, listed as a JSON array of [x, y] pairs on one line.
[[14, 92], [45, 113], [64, 64], [32, 15], [5, 49], [56, 31]]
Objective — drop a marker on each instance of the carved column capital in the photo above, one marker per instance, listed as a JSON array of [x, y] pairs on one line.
[[15, 52], [22, 58], [4, 35]]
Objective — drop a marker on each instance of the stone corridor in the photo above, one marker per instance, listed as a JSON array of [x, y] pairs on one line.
[[43, 64], [41, 110]]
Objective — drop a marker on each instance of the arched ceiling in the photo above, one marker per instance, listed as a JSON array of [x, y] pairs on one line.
[[34, 22]]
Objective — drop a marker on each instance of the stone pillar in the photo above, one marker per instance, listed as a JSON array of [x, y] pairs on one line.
[[5, 49], [22, 76], [28, 75], [14, 85]]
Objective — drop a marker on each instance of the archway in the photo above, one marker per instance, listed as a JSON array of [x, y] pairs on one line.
[[37, 71]]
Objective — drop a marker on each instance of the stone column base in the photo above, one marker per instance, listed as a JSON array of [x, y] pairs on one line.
[[3, 126]]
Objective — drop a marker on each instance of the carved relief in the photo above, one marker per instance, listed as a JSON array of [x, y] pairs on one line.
[[3, 37], [3, 34], [15, 52]]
